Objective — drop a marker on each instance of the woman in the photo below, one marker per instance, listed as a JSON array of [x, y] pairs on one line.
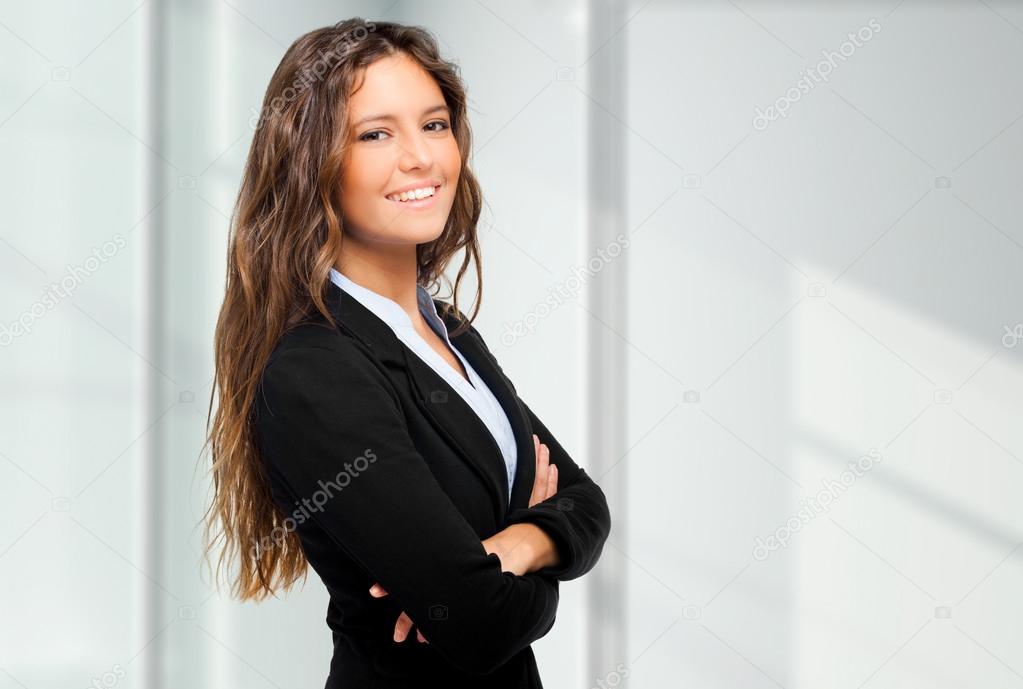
[[363, 427]]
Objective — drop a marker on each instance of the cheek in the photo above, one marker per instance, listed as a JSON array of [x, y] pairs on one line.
[[362, 182], [453, 158], [449, 163]]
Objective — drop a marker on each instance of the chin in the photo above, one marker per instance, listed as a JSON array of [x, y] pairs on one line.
[[411, 234], [418, 232], [433, 234]]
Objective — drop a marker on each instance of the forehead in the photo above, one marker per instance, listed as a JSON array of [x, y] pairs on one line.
[[394, 85]]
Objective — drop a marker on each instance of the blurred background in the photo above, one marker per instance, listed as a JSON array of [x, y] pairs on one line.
[[756, 264]]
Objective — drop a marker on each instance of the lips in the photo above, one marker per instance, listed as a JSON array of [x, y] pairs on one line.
[[423, 205], [436, 190], [416, 185]]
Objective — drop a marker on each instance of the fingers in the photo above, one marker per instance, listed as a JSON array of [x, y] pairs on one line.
[[536, 495], [552, 480], [543, 469], [402, 627], [404, 623], [541, 481], [539, 492]]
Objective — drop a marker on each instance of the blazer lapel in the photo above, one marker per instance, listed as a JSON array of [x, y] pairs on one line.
[[475, 351], [443, 406]]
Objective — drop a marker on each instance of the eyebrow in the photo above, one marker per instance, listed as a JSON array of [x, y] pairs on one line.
[[373, 118]]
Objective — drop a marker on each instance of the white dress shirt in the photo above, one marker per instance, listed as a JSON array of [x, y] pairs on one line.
[[477, 395]]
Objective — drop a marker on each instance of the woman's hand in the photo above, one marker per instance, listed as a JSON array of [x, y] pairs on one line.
[[546, 482], [404, 624], [521, 548], [524, 548]]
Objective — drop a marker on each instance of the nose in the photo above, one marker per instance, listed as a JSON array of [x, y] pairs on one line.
[[415, 153]]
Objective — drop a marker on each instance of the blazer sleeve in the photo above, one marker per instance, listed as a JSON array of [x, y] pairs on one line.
[[576, 517], [326, 407]]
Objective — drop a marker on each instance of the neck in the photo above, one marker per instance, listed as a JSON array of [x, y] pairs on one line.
[[390, 272]]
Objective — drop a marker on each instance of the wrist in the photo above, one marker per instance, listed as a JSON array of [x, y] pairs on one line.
[[523, 548], [538, 548]]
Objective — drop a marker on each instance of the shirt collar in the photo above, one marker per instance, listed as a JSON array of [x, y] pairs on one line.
[[388, 310]]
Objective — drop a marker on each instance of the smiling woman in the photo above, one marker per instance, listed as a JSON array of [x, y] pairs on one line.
[[364, 428], [403, 155]]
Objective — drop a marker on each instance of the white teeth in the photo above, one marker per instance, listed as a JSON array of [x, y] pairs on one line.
[[413, 195]]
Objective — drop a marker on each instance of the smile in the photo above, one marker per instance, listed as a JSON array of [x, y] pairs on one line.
[[424, 197]]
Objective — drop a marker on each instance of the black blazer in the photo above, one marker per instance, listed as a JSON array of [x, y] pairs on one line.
[[389, 476]]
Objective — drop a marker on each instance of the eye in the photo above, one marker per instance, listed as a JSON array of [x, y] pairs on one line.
[[443, 125]]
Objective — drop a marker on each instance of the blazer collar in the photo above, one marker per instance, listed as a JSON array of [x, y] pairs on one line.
[[454, 419]]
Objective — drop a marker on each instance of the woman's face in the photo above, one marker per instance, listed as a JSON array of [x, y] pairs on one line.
[[407, 144]]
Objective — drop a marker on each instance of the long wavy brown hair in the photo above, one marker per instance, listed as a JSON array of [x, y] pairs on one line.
[[286, 233]]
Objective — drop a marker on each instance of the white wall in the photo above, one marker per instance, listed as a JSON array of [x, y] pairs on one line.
[[793, 295]]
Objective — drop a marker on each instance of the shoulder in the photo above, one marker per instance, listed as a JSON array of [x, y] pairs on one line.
[[308, 338], [317, 356], [315, 366]]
